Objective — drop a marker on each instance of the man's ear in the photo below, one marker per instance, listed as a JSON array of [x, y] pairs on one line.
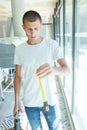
[[23, 27]]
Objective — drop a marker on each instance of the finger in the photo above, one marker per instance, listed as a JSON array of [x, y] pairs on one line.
[[14, 113], [44, 74], [46, 64], [21, 110], [43, 68]]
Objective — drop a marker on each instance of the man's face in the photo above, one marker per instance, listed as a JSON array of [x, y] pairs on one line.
[[32, 29]]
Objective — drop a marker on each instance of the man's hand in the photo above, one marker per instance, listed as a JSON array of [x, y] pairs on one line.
[[17, 107], [45, 70]]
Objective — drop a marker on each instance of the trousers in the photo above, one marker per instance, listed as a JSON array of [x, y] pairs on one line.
[[51, 116]]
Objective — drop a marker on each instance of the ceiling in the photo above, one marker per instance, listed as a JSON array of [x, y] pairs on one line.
[[45, 7]]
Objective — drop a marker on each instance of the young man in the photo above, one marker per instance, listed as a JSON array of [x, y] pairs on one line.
[[35, 58]]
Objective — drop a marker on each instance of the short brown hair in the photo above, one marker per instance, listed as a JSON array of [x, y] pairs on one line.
[[31, 16]]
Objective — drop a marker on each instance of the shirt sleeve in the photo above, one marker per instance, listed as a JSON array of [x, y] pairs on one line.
[[17, 59], [57, 52]]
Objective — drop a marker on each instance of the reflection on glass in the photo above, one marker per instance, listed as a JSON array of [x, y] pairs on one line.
[[81, 63], [68, 49], [57, 28], [61, 27]]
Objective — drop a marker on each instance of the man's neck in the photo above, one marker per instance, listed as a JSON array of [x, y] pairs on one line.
[[33, 42]]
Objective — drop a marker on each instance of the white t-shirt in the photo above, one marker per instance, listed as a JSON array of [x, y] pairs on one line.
[[30, 57]]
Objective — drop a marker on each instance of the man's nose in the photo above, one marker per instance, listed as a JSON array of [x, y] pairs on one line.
[[32, 32]]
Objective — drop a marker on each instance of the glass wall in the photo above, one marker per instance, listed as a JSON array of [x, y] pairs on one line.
[[81, 64], [61, 27], [68, 48], [57, 28], [75, 47], [47, 30]]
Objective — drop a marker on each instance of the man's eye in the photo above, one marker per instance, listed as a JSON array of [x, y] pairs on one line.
[[36, 28], [28, 29]]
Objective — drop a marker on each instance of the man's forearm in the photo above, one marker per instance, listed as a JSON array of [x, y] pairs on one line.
[[62, 71], [17, 82]]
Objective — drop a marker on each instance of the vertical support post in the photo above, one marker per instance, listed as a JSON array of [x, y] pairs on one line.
[[17, 13], [74, 3]]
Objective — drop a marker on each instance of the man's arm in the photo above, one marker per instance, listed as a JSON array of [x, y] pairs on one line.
[[63, 69], [17, 82], [46, 69]]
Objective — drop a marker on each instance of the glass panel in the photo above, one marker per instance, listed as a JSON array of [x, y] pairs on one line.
[[57, 28], [81, 64], [61, 27], [68, 48], [47, 30]]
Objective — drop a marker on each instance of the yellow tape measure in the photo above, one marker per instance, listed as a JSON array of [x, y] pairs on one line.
[[42, 90], [43, 95]]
